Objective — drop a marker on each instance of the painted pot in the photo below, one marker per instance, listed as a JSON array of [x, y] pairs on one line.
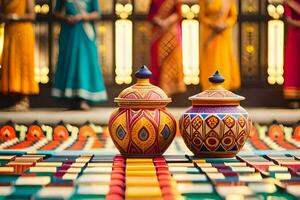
[[142, 126], [215, 125]]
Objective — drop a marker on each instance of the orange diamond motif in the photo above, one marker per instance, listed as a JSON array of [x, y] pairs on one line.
[[212, 121], [186, 121], [197, 122], [242, 121], [229, 121]]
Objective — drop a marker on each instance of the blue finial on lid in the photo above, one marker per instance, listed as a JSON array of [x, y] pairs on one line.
[[216, 78], [143, 73]]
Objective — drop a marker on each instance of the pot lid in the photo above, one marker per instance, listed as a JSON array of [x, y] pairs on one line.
[[216, 94], [143, 93]]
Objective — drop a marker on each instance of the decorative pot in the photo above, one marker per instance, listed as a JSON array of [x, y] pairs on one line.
[[216, 125], [142, 126]]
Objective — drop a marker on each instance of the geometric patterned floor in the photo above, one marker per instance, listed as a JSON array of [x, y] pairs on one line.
[[64, 161]]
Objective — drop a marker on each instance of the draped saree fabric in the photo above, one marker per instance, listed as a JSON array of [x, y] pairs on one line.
[[291, 87], [166, 56], [17, 72], [216, 48], [78, 73]]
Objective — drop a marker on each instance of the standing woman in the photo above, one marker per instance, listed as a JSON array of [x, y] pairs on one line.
[[166, 55], [78, 76], [217, 18], [291, 87], [17, 72]]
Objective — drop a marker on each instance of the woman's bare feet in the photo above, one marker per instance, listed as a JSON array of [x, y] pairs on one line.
[[294, 105], [21, 106], [84, 105]]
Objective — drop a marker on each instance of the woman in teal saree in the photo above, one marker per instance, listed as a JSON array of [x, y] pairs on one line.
[[78, 75]]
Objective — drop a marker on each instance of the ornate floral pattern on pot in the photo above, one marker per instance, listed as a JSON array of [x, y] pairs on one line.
[[216, 125], [142, 126]]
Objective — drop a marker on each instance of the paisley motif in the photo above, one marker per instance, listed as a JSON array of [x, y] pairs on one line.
[[7, 132], [60, 133], [118, 119], [35, 133], [143, 133]]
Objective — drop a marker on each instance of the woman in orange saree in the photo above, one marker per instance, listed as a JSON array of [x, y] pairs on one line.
[[217, 18], [166, 55]]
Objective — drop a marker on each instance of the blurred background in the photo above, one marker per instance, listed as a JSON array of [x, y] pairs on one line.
[[259, 39]]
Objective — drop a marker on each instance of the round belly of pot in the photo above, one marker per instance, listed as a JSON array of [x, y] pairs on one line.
[[215, 131], [216, 125], [142, 132]]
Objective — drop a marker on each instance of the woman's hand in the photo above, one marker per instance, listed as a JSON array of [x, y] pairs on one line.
[[293, 22], [11, 17], [157, 21], [219, 27], [69, 19], [72, 19], [162, 24], [84, 17], [292, 4], [87, 17]]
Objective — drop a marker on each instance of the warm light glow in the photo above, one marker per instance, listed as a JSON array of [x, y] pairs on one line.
[[195, 8], [190, 43], [123, 51], [128, 8], [280, 9], [275, 44], [41, 55], [123, 44], [249, 29], [275, 51], [123, 11], [45, 9], [185, 8], [37, 8], [271, 9], [250, 49], [41, 75], [275, 11], [190, 12], [118, 8], [190, 51], [1, 41], [102, 29]]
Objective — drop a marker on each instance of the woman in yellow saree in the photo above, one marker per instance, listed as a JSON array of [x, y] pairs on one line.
[[17, 72], [217, 18]]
